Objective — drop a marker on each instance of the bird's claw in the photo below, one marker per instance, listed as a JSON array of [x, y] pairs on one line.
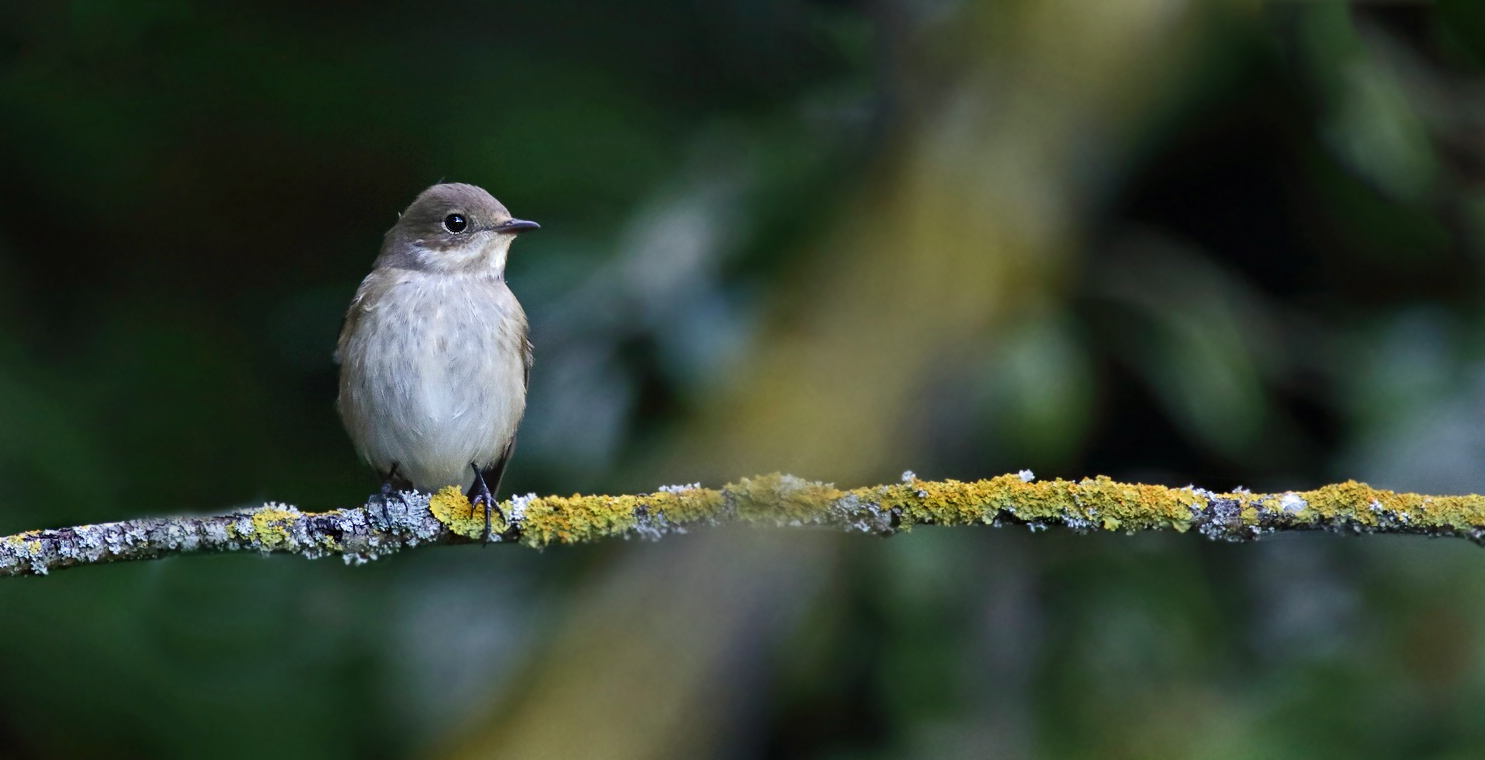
[[483, 497]]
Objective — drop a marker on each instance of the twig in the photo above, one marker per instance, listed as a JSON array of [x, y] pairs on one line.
[[363, 533]]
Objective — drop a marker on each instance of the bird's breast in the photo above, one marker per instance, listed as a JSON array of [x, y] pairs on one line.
[[433, 374]]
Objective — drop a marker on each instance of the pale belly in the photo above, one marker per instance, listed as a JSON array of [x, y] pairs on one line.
[[432, 378]]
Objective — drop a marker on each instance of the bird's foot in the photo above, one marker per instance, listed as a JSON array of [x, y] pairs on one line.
[[381, 502], [392, 482], [481, 495]]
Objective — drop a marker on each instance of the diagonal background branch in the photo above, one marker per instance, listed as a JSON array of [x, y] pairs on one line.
[[364, 533]]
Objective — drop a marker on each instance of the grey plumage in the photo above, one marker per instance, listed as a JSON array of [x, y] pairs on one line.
[[434, 353]]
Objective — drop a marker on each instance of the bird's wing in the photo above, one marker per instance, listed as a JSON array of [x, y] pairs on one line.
[[528, 358], [352, 317]]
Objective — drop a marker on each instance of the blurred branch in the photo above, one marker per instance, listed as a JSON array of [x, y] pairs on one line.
[[364, 533]]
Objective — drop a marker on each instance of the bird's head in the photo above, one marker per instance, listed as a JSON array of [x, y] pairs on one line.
[[453, 228]]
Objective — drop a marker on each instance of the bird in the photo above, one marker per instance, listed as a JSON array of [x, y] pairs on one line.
[[435, 358]]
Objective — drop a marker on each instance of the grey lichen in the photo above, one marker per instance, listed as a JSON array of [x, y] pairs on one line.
[[269, 529]]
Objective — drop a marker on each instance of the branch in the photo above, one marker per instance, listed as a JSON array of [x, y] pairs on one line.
[[364, 533]]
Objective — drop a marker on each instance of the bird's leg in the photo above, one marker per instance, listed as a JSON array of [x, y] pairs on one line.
[[482, 493], [392, 480], [381, 501], [487, 484]]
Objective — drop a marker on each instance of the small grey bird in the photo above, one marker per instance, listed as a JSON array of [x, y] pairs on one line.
[[434, 358]]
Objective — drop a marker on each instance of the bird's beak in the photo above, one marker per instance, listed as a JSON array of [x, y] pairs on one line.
[[517, 225]]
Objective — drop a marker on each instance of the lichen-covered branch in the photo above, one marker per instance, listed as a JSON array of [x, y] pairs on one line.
[[362, 533]]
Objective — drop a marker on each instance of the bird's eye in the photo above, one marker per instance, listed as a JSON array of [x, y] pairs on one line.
[[455, 223]]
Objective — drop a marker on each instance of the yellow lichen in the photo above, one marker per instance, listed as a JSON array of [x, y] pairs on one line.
[[1090, 502], [1099, 503], [452, 508], [1352, 501], [578, 518], [271, 527]]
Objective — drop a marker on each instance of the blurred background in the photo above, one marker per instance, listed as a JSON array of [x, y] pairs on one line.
[[1223, 243]]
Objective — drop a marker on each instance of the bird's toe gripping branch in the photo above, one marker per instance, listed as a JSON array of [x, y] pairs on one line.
[[452, 508]]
